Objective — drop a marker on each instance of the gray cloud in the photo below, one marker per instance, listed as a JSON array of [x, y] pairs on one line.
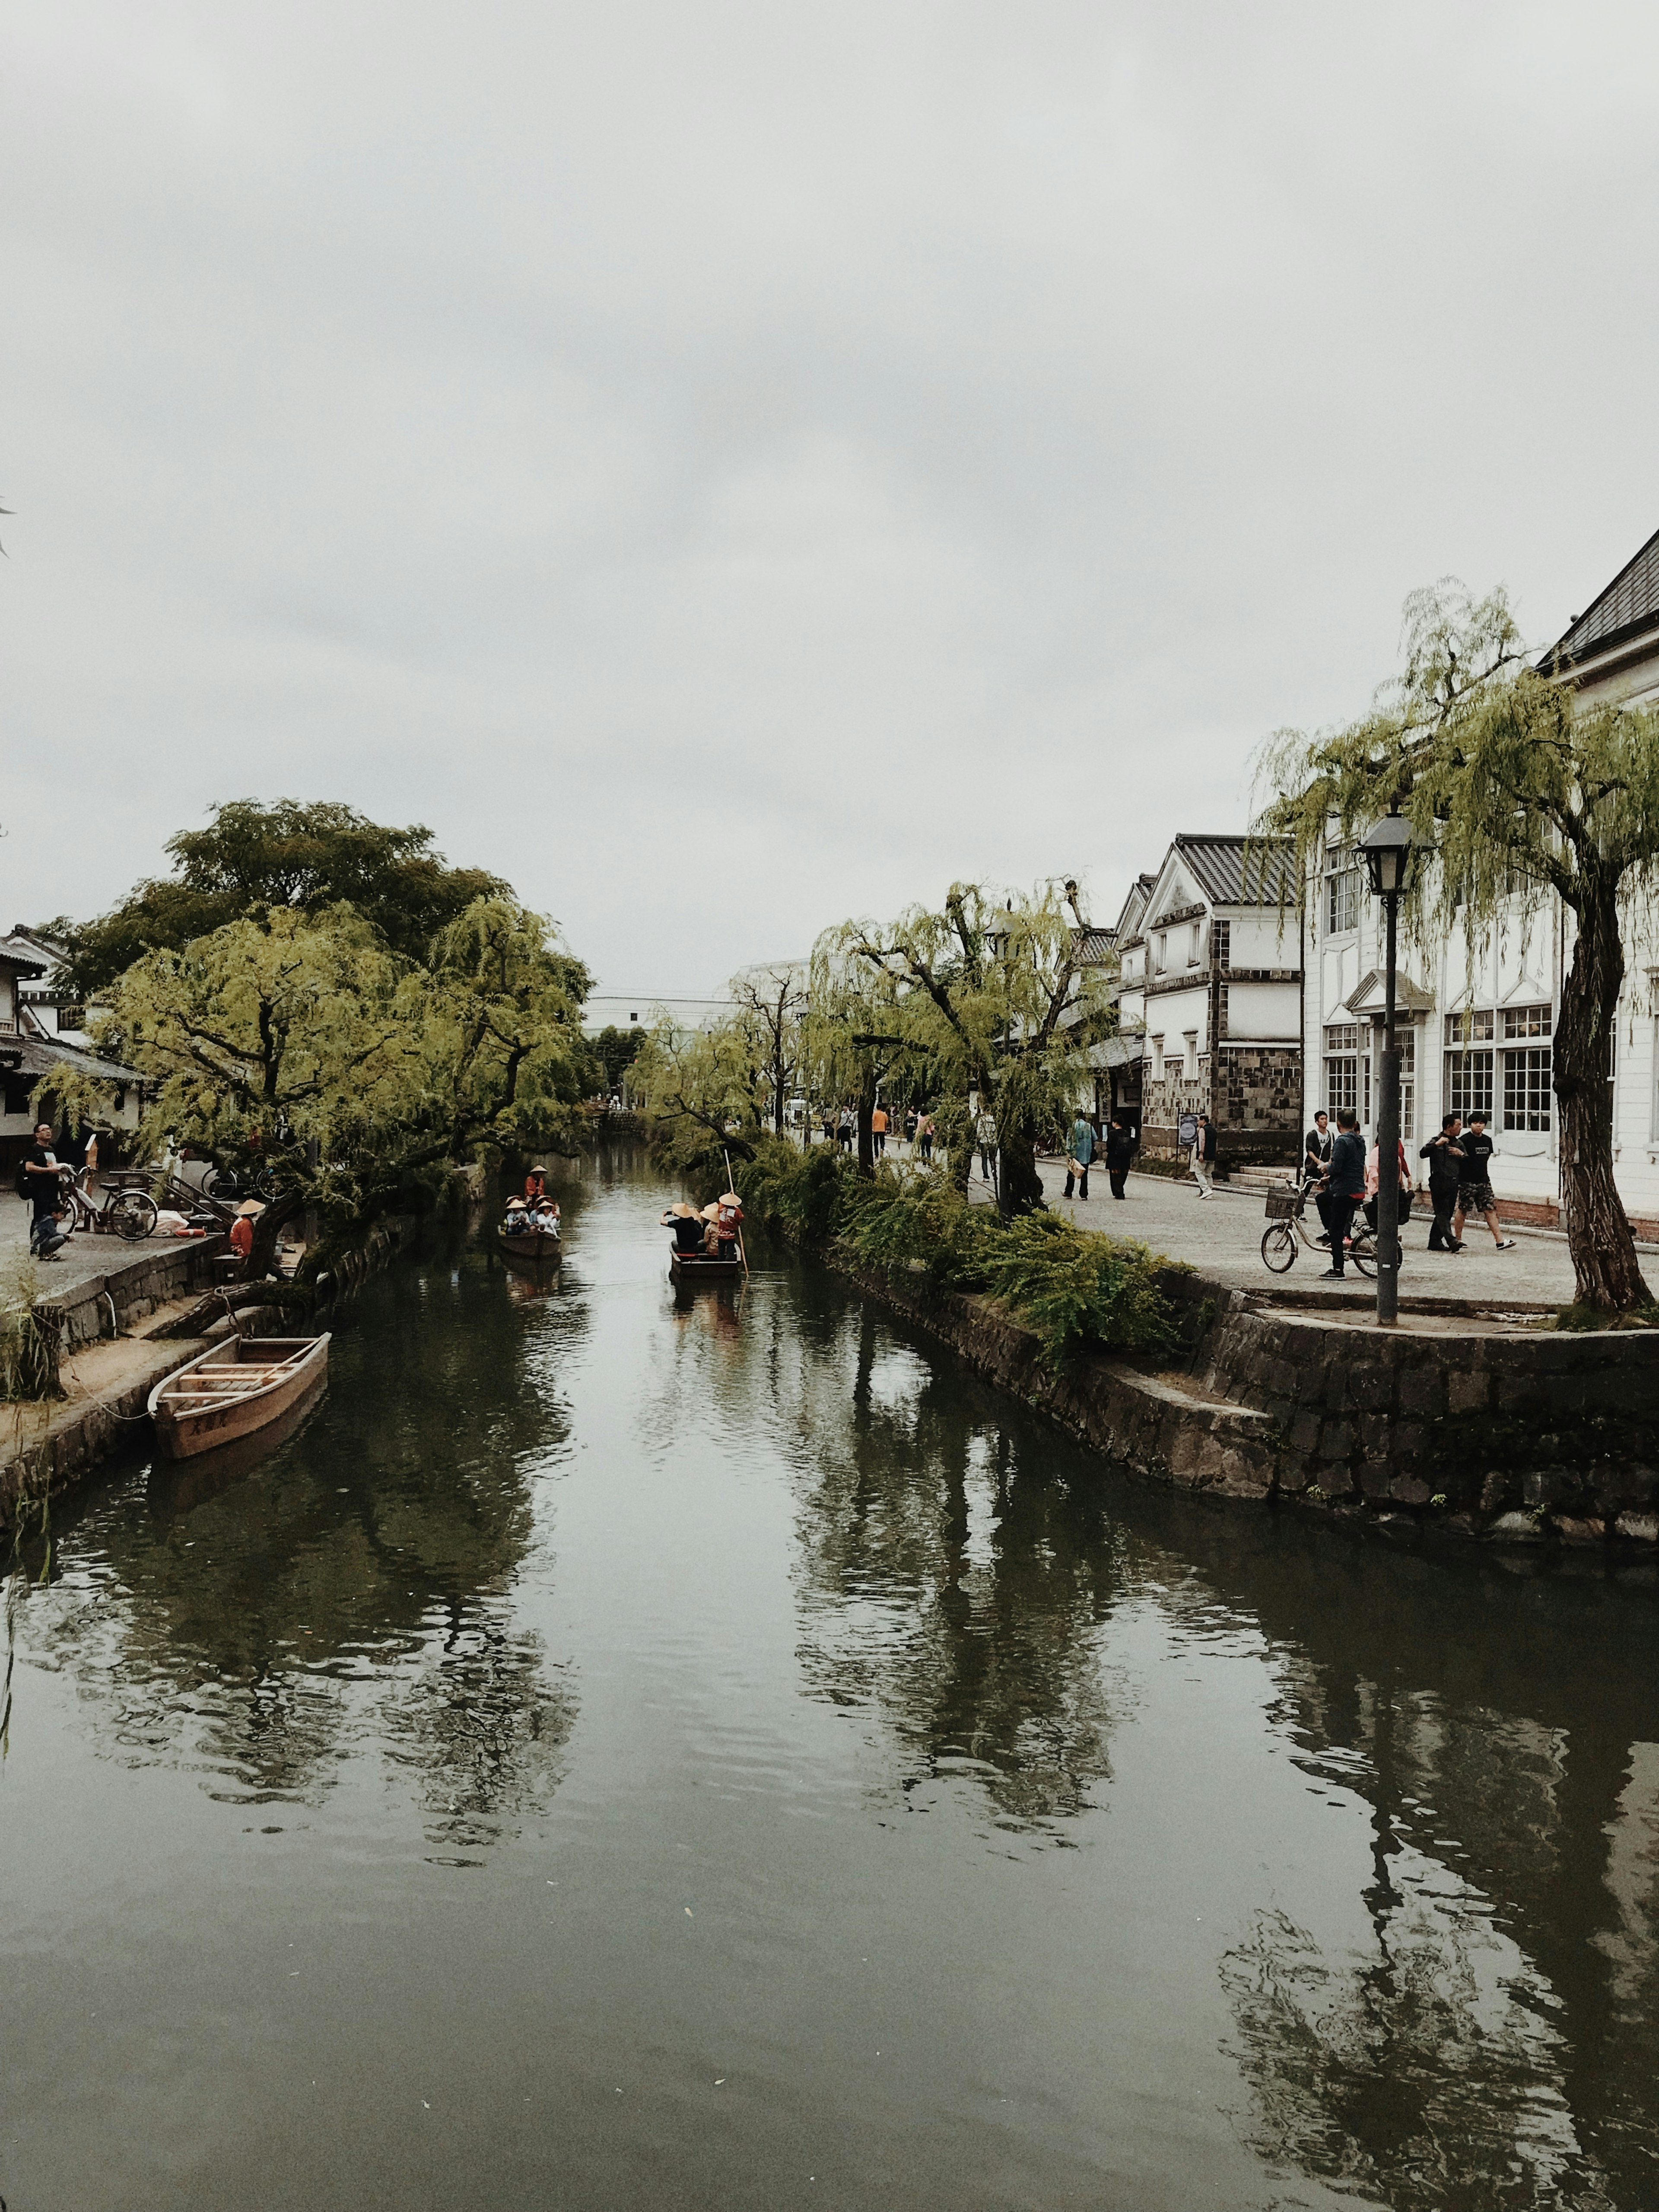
[[730, 467]]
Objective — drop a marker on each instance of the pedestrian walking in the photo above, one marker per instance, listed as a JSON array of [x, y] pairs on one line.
[[925, 1136], [846, 1128], [878, 1132], [46, 1195], [1316, 1162], [1119, 1151], [1373, 1181], [987, 1148], [1444, 1154], [1475, 1193], [1203, 1155], [1345, 1178], [1079, 1152]]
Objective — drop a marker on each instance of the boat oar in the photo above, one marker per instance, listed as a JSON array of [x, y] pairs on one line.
[[730, 1185]]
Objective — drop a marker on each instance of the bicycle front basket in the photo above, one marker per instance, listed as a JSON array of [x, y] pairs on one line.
[[1283, 1204]]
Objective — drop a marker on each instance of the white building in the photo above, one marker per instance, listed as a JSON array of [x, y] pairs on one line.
[[1475, 1028], [1210, 1001], [43, 1027]]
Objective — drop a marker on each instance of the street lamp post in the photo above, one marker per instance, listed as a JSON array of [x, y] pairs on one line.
[[1387, 855]]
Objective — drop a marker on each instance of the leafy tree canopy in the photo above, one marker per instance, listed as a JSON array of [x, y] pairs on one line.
[[255, 857]]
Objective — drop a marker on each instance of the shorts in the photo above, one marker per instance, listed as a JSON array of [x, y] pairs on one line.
[[1477, 1198]]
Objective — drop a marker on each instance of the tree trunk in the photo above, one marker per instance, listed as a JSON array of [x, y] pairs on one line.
[[1020, 1187], [867, 1143], [1598, 1233]]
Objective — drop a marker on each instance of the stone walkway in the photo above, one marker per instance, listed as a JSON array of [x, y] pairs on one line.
[[85, 1254], [1222, 1236]]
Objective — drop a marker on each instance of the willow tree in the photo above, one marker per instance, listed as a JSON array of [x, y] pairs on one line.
[[770, 1001], [704, 1088], [851, 1034], [992, 995], [1524, 789]]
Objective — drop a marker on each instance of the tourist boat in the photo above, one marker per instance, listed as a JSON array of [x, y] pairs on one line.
[[233, 1389], [692, 1267], [532, 1255]]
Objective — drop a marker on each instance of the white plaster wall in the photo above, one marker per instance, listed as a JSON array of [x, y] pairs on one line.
[[1263, 939], [1264, 1010], [1171, 1015]]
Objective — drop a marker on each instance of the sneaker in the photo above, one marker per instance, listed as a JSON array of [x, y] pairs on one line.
[[1506, 1243], [1331, 1275]]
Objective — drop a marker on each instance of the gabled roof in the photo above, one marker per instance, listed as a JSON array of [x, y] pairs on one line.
[[1369, 994], [39, 1055], [1628, 605], [18, 955], [1093, 945], [1239, 870]]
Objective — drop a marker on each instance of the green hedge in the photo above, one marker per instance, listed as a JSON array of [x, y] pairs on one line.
[[1074, 1286]]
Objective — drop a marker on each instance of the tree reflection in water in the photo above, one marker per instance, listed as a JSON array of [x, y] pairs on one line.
[[350, 1590], [939, 1581]]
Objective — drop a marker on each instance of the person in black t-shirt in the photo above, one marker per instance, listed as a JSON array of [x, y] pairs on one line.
[[1474, 1190], [46, 1195]]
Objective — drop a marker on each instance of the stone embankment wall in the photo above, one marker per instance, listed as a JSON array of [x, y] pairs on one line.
[[131, 1287], [1523, 1435]]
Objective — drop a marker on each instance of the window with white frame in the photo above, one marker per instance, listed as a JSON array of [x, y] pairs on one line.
[[1157, 1059], [1163, 950], [1191, 1042], [1342, 1067], [1341, 898], [1194, 944], [1528, 1096], [1468, 1085]]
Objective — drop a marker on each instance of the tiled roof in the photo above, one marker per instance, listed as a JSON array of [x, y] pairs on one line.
[[1631, 602], [22, 957], [1240, 870], [39, 1056], [1094, 945]]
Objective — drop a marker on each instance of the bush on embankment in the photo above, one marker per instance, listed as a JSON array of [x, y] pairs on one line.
[[1073, 1287]]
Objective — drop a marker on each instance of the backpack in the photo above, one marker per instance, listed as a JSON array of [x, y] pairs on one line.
[[25, 1188]]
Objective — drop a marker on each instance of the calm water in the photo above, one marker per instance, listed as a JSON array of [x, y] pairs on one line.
[[628, 1753]]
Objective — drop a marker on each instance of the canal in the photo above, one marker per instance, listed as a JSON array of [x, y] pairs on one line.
[[629, 1753]]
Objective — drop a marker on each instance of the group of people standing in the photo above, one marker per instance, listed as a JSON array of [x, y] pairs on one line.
[[1118, 1147], [1345, 1178], [916, 1126]]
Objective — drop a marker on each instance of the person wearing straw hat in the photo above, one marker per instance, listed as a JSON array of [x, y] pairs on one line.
[[686, 1223], [729, 1219], [535, 1187], [517, 1223], [241, 1228], [710, 1216]]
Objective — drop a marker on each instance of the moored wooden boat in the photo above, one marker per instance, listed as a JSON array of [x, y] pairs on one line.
[[533, 1254], [692, 1267], [233, 1389]]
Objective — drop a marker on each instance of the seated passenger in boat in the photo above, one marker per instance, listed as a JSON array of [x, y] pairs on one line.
[[711, 1234], [545, 1218], [687, 1225], [517, 1223]]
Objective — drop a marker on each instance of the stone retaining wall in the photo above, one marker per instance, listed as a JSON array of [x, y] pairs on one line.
[[1524, 1437], [137, 1285]]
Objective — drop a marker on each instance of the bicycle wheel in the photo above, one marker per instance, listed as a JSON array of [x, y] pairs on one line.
[[132, 1215], [1363, 1252], [1278, 1246]]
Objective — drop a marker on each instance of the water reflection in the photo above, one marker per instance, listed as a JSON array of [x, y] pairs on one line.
[[255, 1620]]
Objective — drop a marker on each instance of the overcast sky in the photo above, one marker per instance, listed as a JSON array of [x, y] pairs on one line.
[[727, 467]]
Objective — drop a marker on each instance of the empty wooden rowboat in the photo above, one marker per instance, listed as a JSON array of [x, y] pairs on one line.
[[532, 1255], [689, 1268], [234, 1388]]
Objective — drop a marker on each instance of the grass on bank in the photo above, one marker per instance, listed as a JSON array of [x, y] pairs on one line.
[[1073, 1287]]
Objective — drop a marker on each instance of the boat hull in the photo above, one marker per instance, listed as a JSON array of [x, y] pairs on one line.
[[683, 1269], [531, 1256], [233, 1390]]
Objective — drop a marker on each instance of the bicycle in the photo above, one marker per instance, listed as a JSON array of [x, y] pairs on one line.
[[128, 1214], [1287, 1232]]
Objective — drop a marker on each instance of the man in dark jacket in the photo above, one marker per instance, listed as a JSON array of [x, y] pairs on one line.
[[46, 1195], [1346, 1185], [1315, 1159], [1445, 1157], [1119, 1151]]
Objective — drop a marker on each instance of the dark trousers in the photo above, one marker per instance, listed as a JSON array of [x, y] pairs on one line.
[[1337, 1215], [1442, 1197], [1322, 1208], [879, 1141], [1403, 1216], [1118, 1177], [1081, 1180]]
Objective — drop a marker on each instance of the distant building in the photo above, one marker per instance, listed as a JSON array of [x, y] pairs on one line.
[[1210, 1001], [43, 1028]]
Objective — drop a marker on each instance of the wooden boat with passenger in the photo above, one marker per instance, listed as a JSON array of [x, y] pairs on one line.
[[692, 1267], [233, 1389], [532, 1255]]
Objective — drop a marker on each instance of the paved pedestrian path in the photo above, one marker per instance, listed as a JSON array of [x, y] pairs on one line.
[[1222, 1237], [85, 1253]]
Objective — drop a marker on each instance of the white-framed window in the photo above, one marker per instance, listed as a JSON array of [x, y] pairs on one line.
[[1342, 1067], [1158, 1060], [1468, 1085], [1163, 948], [1341, 898], [1528, 1096], [1190, 1040], [1194, 944]]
